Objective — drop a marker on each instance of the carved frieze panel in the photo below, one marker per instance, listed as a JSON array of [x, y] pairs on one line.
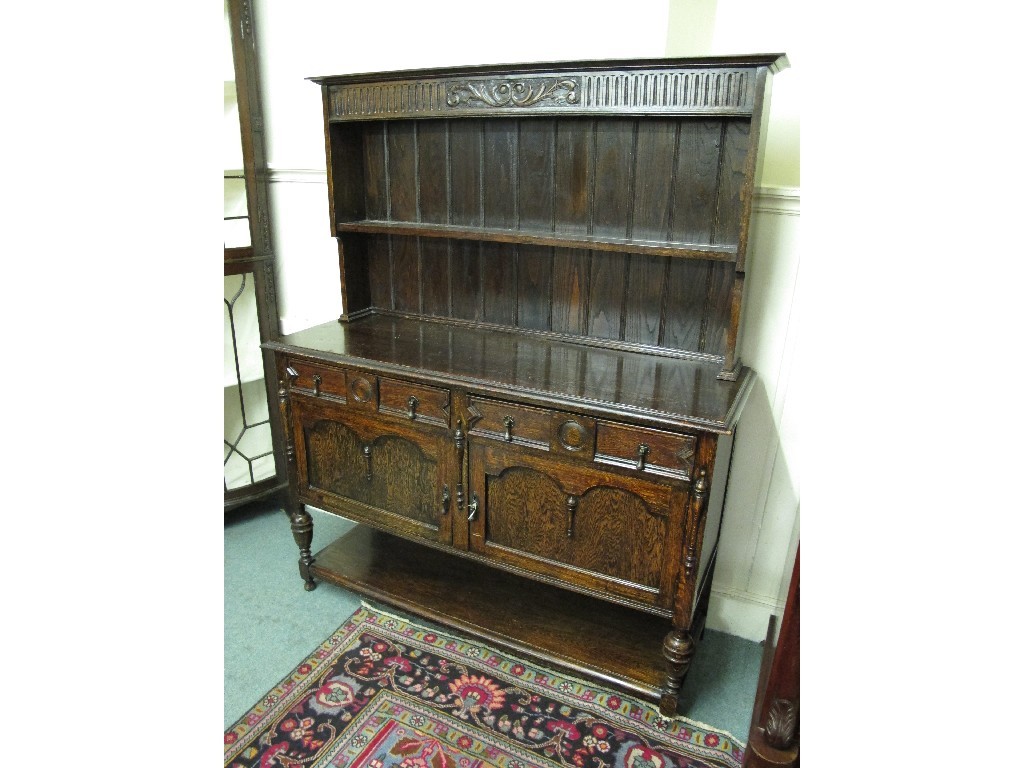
[[722, 91], [525, 92]]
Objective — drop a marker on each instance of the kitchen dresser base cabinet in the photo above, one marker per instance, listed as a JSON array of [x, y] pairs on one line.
[[583, 540], [528, 403]]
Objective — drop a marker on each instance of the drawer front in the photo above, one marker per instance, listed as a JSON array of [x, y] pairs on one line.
[[645, 450], [415, 402], [319, 380], [510, 423]]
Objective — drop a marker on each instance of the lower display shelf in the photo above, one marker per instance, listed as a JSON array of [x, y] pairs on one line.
[[575, 633]]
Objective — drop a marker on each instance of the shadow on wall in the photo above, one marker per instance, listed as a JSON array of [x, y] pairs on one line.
[[761, 521]]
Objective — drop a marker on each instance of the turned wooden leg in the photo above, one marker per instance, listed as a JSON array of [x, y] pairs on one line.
[[678, 649], [302, 530]]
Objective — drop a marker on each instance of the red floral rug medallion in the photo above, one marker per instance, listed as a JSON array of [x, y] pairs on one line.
[[385, 693]]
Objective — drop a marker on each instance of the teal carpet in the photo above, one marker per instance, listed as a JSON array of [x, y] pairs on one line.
[[271, 624]]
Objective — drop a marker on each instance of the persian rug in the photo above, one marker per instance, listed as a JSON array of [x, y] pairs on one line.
[[382, 692]]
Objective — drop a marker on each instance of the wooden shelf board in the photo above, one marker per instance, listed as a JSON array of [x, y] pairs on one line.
[[575, 633], [532, 237]]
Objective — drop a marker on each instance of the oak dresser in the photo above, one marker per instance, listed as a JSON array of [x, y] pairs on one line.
[[528, 402]]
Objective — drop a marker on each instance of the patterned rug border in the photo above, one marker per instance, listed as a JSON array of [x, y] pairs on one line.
[[627, 711], [577, 680]]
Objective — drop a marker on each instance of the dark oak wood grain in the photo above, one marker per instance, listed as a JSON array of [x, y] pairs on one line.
[[536, 378], [573, 632], [565, 239], [580, 524], [677, 392]]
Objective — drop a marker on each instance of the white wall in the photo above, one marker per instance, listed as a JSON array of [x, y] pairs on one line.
[[761, 522], [762, 517], [300, 40], [324, 37]]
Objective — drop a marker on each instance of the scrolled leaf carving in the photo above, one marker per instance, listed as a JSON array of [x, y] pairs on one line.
[[514, 93], [780, 725]]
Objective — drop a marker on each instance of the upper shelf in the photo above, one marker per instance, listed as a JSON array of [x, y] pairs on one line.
[[527, 237]]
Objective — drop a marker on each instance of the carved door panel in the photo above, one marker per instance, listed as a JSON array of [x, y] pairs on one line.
[[604, 532], [386, 474]]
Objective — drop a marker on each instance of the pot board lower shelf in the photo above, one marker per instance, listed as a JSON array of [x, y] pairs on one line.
[[576, 633]]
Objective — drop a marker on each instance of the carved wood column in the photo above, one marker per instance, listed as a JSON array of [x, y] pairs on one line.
[[301, 521]]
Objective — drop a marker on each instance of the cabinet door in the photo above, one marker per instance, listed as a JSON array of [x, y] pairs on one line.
[[390, 475], [603, 532]]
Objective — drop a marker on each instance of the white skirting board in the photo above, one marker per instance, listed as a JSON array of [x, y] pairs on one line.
[[741, 614]]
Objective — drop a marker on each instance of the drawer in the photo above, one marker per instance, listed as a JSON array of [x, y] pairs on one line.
[[415, 402], [320, 380], [646, 450], [518, 424]]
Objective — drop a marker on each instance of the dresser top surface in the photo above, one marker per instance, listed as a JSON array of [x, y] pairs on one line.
[[654, 389]]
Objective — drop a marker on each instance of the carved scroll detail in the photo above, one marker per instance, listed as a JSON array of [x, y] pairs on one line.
[[514, 93], [780, 727]]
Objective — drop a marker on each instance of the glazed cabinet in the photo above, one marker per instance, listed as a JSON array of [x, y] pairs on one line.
[[529, 399]]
